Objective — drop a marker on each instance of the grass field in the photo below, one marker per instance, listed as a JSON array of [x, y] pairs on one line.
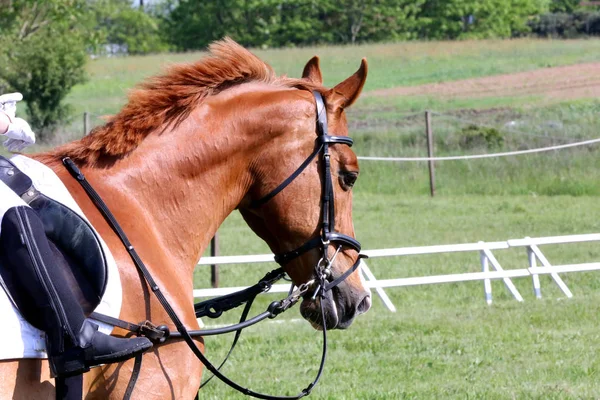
[[444, 341], [379, 125], [391, 65]]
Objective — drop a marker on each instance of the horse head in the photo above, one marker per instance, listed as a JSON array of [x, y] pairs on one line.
[[301, 205]]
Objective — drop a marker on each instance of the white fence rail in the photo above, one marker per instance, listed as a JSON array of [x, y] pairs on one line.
[[486, 258]]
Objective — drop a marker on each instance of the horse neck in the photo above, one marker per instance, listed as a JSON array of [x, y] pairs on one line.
[[179, 193], [176, 188]]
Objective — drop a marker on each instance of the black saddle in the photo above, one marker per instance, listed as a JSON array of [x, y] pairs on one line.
[[76, 247]]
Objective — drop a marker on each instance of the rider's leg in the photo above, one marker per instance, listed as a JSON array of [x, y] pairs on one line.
[[74, 344]]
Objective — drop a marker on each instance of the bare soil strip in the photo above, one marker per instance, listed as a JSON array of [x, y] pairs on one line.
[[567, 82]]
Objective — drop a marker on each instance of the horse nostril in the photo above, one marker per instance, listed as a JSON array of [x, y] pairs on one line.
[[364, 305]]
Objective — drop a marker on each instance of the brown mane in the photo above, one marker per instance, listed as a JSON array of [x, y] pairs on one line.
[[168, 99]]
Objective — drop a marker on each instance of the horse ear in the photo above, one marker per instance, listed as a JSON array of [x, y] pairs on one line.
[[312, 71], [345, 93]]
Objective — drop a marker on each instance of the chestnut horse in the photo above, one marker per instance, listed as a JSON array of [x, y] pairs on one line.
[[188, 148]]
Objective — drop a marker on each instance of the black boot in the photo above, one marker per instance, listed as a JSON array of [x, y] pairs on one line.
[[44, 298]]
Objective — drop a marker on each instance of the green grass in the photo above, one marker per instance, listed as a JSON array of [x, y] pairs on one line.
[[566, 172], [575, 172], [378, 127], [444, 341], [391, 65], [451, 352]]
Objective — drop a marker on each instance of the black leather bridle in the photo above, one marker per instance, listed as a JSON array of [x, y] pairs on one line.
[[329, 236], [214, 307]]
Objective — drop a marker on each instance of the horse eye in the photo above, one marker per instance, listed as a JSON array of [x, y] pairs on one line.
[[347, 179]]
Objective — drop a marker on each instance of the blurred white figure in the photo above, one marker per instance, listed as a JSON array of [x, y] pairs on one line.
[[8, 103], [17, 130]]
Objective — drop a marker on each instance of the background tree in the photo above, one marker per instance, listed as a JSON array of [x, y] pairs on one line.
[[118, 22], [565, 6], [192, 24], [476, 19], [43, 55], [375, 20]]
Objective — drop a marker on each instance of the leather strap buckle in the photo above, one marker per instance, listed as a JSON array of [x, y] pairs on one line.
[[157, 334]]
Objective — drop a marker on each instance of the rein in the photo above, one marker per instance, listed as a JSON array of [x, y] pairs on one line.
[[215, 307]]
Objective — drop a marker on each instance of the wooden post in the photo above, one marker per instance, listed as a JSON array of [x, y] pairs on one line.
[[214, 268], [430, 152], [86, 123]]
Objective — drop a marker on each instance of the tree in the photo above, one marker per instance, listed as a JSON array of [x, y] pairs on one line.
[[375, 20], [463, 19], [192, 24], [44, 69], [117, 22], [565, 6], [43, 55]]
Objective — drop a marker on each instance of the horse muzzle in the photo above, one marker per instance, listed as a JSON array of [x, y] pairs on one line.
[[336, 308]]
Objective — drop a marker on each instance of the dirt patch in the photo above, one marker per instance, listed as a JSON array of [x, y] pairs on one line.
[[568, 82]]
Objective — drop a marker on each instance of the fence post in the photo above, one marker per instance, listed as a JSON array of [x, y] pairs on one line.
[[485, 267], [429, 135], [535, 277], [561, 284], [214, 268], [86, 123]]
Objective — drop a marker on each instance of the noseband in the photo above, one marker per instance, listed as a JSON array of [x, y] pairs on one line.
[[328, 236]]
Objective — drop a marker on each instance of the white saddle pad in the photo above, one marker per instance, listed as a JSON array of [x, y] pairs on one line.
[[18, 339]]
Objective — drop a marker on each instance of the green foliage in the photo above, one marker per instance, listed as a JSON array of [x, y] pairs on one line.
[[566, 6], [275, 23], [353, 21], [475, 136], [45, 69], [477, 19], [563, 25], [117, 22], [193, 23], [43, 56], [297, 22], [558, 24]]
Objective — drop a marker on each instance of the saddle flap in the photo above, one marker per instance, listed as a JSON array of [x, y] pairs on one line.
[[75, 242]]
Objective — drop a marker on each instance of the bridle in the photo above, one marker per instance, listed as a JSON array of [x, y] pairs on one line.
[[329, 236], [213, 308]]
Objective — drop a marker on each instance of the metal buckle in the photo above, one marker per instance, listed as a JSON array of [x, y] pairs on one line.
[[157, 334]]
